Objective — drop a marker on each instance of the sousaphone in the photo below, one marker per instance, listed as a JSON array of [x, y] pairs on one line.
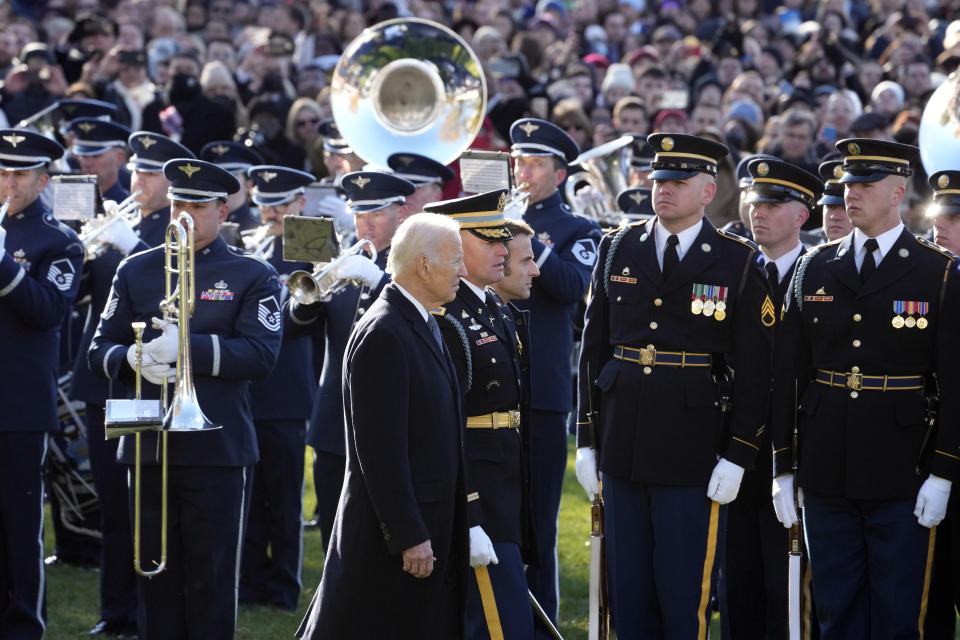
[[939, 134]]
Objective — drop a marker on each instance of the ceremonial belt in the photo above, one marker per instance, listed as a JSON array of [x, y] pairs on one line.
[[859, 382], [649, 356], [496, 420]]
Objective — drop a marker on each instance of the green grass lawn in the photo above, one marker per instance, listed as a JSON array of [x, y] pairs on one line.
[[73, 596]]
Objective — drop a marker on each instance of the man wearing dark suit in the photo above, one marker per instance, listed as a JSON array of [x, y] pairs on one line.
[[396, 565], [754, 584], [870, 330]]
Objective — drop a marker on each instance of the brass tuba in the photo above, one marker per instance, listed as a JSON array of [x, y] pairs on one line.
[[939, 133], [603, 177], [408, 85]]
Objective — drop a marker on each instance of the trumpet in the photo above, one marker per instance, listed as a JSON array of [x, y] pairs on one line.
[[517, 202], [260, 241], [307, 288], [125, 212]]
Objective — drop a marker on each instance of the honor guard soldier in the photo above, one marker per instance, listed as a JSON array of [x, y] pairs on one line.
[[237, 159], [741, 227], [836, 222], [674, 300], [868, 338], [118, 609], [40, 265], [281, 405], [235, 335], [484, 346], [150, 152], [426, 174], [100, 146], [566, 249], [754, 602], [377, 203], [636, 204]]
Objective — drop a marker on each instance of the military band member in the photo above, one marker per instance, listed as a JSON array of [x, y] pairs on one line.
[[754, 601], [426, 174], [339, 160], [377, 201], [235, 335], [520, 268], [101, 148], [478, 332], [566, 249], [237, 159], [396, 566], [40, 265], [673, 302], [870, 320], [836, 222], [150, 152], [636, 204], [281, 405]]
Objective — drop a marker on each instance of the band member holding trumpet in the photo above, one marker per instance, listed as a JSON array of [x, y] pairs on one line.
[[426, 174], [378, 203], [150, 152], [281, 405], [40, 265], [483, 343], [234, 337], [565, 247], [674, 300], [100, 146], [237, 159]]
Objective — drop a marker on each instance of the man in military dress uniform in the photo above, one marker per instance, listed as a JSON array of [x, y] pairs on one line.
[[870, 320], [40, 265], [836, 222], [237, 159], [674, 301], [150, 152], [281, 405], [235, 335], [566, 249], [478, 332], [100, 145], [754, 602], [377, 202], [426, 174]]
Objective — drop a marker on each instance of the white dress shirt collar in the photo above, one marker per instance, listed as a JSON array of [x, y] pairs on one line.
[[686, 238]]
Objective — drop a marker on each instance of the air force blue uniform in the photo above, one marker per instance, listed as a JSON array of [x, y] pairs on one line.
[[236, 333], [565, 250]]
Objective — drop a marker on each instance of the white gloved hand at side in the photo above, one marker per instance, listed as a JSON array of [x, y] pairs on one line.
[[932, 501], [164, 347], [724, 481], [3, 241], [784, 504], [586, 467], [481, 548], [361, 269]]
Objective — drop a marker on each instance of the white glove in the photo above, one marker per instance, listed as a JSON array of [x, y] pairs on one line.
[[932, 501], [586, 466], [164, 347], [250, 244], [158, 372], [132, 358], [119, 234], [784, 504], [724, 481], [3, 241], [360, 268], [481, 549], [332, 206]]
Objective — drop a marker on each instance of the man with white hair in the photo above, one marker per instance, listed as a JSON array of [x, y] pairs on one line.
[[396, 563]]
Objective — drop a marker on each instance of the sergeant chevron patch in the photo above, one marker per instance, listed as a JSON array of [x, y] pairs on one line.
[[268, 313], [768, 313], [61, 274]]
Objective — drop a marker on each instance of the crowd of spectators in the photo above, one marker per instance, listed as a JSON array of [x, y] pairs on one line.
[[787, 78]]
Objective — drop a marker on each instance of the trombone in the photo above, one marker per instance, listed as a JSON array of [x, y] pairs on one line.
[[307, 288], [183, 413]]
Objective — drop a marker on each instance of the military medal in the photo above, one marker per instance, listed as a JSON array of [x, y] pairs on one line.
[[721, 306], [910, 322], [897, 321], [696, 307], [921, 323], [719, 314], [709, 307], [921, 309], [697, 297]]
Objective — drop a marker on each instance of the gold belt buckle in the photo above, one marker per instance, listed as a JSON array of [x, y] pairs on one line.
[[514, 418], [648, 356], [854, 381]]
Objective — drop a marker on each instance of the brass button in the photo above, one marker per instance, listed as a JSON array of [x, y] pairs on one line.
[[857, 317], [854, 395], [493, 361], [816, 320], [619, 298], [653, 325], [855, 369], [856, 343], [657, 302], [647, 370]]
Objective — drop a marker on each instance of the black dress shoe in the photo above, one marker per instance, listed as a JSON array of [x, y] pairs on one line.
[[118, 628]]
